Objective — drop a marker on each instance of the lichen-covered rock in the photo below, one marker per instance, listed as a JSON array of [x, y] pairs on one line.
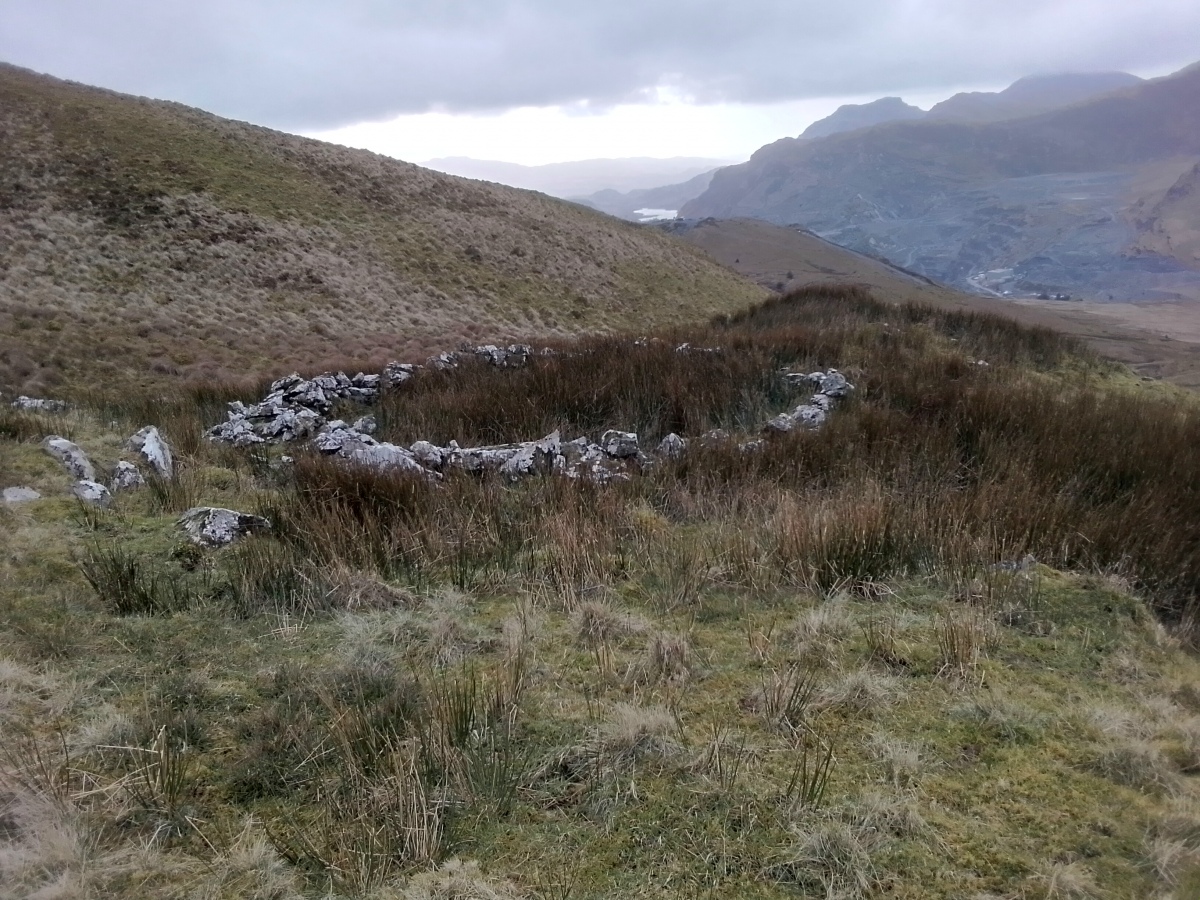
[[834, 384], [15, 495], [74, 460], [92, 493], [386, 456], [780, 424], [397, 373], [237, 432], [534, 458], [619, 444], [126, 477], [427, 454], [338, 437], [154, 450], [213, 526], [672, 446]]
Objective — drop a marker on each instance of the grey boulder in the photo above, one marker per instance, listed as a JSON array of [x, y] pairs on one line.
[[154, 450], [672, 446], [212, 526], [126, 477], [68, 453], [92, 493], [619, 444]]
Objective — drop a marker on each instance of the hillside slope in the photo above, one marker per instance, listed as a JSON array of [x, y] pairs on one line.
[[1044, 196], [142, 239]]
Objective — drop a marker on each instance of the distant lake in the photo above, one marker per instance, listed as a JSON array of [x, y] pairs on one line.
[[655, 215]]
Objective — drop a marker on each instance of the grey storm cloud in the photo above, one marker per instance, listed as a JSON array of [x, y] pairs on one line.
[[312, 64]]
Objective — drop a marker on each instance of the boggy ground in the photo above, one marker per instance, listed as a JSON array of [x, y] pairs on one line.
[[799, 672]]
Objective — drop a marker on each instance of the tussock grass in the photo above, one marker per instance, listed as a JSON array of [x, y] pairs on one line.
[[755, 675]]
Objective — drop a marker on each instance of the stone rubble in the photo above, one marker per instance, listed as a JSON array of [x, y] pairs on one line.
[[14, 495], [37, 404], [153, 448], [830, 386], [296, 409], [74, 460], [213, 526]]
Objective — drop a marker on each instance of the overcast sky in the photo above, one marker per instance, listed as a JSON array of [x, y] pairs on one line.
[[541, 80]]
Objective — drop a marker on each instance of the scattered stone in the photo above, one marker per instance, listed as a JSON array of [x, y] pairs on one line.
[[337, 436], [126, 477], [443, 361], [831, 386], [534, 458], [68, 453], [213, 526], [715, 438], [237, 431], [619, 444], [92, 493], [397, 373], [428, 454], [14, 495], [294, 409], [1025, 564], [512, 356], [38, 405], [154, 449]]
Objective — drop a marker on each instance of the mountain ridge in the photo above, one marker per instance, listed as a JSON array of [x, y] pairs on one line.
[[955, 199]]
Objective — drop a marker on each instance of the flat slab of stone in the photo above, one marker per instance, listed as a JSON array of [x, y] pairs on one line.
[[14, 495]]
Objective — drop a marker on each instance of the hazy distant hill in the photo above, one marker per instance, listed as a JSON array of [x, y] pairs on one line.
[[582, 177], [1042, 203], [862, 115], [145, 238]]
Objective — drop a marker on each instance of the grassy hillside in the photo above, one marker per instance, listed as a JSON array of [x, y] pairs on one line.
[[825, 668], [142, 239]]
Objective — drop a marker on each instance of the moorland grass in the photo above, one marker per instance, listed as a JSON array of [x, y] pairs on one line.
[[795, 670]]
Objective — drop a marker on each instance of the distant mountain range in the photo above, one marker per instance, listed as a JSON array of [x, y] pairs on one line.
[[1096, 197], [1027, 96], [582, 177]]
